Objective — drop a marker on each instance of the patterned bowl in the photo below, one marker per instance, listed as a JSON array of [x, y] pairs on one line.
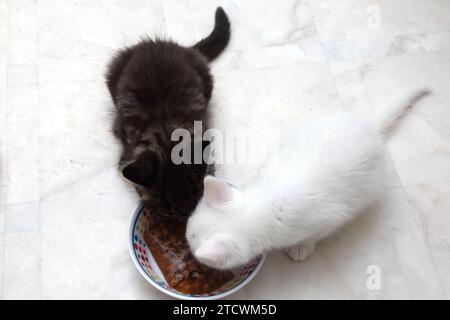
[[147, 267]]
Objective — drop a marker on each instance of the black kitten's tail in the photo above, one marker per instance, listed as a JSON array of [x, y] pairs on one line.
[[215, 43]]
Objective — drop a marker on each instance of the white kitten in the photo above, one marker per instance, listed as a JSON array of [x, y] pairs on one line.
[[326, 172]]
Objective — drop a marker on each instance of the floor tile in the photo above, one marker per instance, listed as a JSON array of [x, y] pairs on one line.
[[63, 73], [3, 42], [326, 20], [411, 249], [93, 30], [337, 50], [24, 75], [78, 210], [22, 32], [370, 18], [2, 218], [22, 133], [420, 144], [89, 165], [432, 203], [400, 44], [22, 217], [1, 264], [22, 272], [91, 262]]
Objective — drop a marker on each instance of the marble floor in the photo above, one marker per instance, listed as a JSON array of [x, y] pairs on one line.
[[64, 210]]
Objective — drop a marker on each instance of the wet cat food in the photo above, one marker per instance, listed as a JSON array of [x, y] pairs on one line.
[[165, 236]]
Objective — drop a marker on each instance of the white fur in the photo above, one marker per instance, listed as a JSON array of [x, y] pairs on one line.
[[325, 174]]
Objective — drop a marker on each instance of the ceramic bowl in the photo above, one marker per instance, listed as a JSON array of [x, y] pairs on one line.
[[147, 267]]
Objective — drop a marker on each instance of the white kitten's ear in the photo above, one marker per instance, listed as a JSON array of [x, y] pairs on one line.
[[217, 192], [215, 251]]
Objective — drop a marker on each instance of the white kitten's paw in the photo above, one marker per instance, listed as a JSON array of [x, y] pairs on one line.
[[302, 251]]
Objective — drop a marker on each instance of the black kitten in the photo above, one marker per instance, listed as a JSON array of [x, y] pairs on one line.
[[158, 86]]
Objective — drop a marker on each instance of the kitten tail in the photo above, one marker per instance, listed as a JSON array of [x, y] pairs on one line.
[[216, 42], [388, 117]]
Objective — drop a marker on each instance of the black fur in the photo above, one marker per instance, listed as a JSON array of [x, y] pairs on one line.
[[158, 86], [216, 42]]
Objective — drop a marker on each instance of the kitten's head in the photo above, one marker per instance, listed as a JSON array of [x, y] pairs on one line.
[[168, 188], [216, 231]]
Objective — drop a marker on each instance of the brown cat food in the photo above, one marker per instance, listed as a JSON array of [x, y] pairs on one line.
[[165, 236]]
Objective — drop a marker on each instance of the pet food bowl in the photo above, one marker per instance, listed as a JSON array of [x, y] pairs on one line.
[[147, 267]]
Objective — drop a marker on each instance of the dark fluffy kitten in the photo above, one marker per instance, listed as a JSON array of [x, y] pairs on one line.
[[158, 86]]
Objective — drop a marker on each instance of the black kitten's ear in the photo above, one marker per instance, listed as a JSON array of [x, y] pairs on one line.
[[143, 170]]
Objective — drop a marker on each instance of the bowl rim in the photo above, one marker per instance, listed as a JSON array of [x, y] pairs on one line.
[[134, 217]]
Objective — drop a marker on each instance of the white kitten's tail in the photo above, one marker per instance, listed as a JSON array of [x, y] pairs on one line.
[[388, 117]]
